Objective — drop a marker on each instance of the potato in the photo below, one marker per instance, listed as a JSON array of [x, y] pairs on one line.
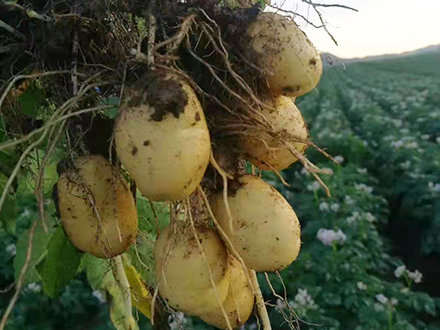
[[97, 209], [165, 152], [239, 302], [266, 230], [293, 63], [287, 122], [182, 272]]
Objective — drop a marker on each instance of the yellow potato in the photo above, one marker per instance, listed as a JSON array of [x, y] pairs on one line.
[[239, 302], [293, 63], [167, 154], [266, 230], [288, 124], [182, 272], [97, 209]]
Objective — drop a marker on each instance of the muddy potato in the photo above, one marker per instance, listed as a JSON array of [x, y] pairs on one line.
[[287, 123], [293, 63], [182, 272], [97, 209], [266, 230], [239, 302], [164, 144]]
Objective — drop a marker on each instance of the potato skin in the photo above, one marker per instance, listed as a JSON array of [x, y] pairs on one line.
[[95, 179], [286, 120], [182, 273], [266, 229], [239, 302], [166, 158], [286, 52]]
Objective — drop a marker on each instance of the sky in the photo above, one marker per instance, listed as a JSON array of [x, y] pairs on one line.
[[380, 27]]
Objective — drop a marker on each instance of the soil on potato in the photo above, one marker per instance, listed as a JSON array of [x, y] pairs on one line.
[[164, 95]]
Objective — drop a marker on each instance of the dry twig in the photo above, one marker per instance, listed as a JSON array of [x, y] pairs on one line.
[[11, 30]]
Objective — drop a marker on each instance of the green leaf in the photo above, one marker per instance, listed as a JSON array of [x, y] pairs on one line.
[[430, 307], [61, 263], [31, 100], [8, 214], [7, 163], [39, 246], [40, 267], [3, 135], [113, 100], [96, 269]]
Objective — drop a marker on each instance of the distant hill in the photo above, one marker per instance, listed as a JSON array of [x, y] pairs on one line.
[[330, 59]]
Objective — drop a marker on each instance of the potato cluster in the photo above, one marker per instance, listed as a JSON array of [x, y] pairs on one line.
[[163, 142]]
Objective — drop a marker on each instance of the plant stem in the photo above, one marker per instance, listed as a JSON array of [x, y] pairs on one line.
[[390, 320], [125, 288]]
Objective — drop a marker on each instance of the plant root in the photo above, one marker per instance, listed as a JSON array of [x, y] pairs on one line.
[[261, 306], [225, 177], [196, 236]]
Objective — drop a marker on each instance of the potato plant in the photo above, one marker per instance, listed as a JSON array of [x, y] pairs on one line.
[[160, 102]]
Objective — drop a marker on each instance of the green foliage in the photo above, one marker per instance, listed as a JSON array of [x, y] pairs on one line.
[[39, 252], [95, 269], [31, 100], [61, 263]]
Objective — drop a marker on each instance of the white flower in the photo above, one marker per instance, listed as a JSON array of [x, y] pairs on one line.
[[381, 298], [370, 217], [362, 170], [437, 139], [425, 137], [100, 296], [397, 122], [313, 186], [412, 145], [253, 326], [354, 217], [434, 188], [328, 236], [280, 305], [302, 298], [34, 287], [335, 207], [394, 302], [416, 276], [11, 249], [399, 271], [339, 159], [176, 320], [406, 165], [324, 206], [361, 286], [397, 144], [25, 214], [363, 187], [305, 172], [348, 200]]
